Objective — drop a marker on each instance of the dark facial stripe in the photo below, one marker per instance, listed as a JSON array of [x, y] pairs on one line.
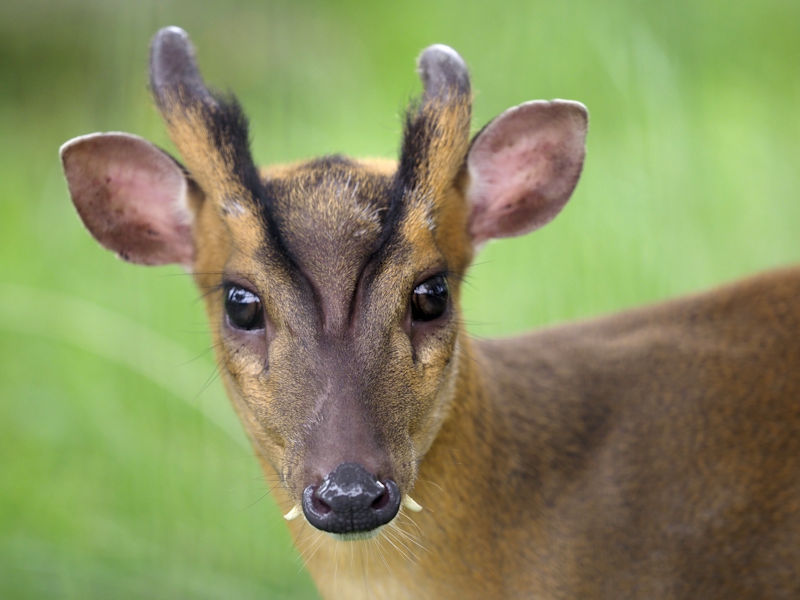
[[229, 131], [418, 133], [274, 238]]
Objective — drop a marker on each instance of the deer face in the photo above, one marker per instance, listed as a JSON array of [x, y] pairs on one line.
[[336, 326]]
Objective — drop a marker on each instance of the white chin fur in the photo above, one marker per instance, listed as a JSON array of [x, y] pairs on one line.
[[356, 535]]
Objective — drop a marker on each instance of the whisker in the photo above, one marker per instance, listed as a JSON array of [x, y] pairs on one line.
[[319, 544], [197, 357], [409, 537], [311, 550], [379, 550], [433, 483], [336, 566], [396, 544], [256, 501], [352, 559], [303, 543], [209, 380], [408, 518]]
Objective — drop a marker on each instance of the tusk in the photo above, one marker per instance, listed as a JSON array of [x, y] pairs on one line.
[[411, 504], [294, 513]]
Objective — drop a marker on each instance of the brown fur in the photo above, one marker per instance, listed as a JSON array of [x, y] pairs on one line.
[[651, 454]]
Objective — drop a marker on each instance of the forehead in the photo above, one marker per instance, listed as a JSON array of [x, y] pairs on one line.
[[331, 214]]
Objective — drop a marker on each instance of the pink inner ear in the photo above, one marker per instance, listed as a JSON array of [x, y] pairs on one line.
[[131, 196], [523, 168]]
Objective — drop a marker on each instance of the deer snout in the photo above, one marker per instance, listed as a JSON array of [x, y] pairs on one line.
[[351, 500]]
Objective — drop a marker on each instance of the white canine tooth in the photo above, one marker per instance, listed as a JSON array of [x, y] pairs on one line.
[[292, 514], [411, 504]]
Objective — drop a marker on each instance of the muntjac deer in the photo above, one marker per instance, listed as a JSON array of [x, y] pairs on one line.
[[651, 454]]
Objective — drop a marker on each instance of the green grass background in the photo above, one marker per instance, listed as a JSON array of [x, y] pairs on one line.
[[123, 473]]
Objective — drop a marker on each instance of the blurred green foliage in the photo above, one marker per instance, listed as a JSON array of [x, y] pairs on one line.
[[123, 473]]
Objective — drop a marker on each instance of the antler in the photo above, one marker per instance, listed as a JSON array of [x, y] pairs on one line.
[[437, 131], [444, 74], [209, 131], [174, 76]]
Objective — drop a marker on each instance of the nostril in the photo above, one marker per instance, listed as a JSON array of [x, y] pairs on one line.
[[381, 501], [318, 504], [315, 509]]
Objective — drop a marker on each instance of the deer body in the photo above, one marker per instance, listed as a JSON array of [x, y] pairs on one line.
[[648, 454]]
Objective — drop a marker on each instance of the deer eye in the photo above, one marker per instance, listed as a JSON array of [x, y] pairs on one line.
[[429, 300], [243, 308]]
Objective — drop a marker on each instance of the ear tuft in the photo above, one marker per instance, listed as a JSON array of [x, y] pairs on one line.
[[524, 166], [131, 196]]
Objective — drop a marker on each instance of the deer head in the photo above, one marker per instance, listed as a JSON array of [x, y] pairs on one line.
[[332, 286]]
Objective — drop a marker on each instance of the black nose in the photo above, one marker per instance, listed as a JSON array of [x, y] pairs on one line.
[[350, 500]]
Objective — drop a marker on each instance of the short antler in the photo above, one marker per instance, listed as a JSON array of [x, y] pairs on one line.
[[210, 131], [174, 76], [437, 132], [443, 72]]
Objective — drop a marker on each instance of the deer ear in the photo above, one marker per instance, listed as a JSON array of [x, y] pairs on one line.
[[131, 196], [523, 167]]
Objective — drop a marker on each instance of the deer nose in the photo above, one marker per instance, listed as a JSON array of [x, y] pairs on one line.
[[350, 500]]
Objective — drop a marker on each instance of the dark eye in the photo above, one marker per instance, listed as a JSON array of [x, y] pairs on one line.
[[243, 308], [429, 300]]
